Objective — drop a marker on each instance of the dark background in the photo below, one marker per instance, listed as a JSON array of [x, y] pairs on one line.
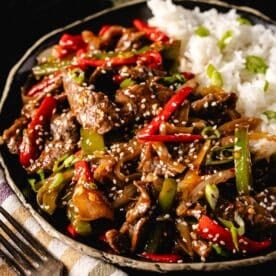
[[24, 21]]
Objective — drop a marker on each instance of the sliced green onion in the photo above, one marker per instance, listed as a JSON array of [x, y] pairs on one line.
[[219, 250], [70, 161], [271, 115], [210, 133], [255, 64], [266, 86], [240, 222], [212, 195], [214, 76], [35, 185], [167, 194], [220, 155], [225, 39], [244, 21], [202, 31], [242, 160], [235, 231], [126, 83], [41, 174], [57, 180], [173, 79], [65, 161], [78, 75]]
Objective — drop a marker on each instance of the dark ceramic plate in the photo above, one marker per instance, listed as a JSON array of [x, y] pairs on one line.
[[10, 106]]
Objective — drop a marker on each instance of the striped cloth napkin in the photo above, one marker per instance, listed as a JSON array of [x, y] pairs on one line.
[[76, 263]]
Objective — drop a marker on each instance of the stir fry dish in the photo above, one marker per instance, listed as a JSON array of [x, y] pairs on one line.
[[139, 158]]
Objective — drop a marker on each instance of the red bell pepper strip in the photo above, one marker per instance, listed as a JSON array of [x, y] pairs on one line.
[[29, 146], [104, 29], [181, 137], [152, 33], [96, 62], [46, 82], [188, 75], [82, 171], [150, 59], [166, 112], [118, 78], [162, 258], [68, 44], [71, 230], [210, 230]]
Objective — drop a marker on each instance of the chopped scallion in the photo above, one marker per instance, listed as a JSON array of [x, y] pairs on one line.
[[202, 31], [225, 39], [214, 76], [255, 64]]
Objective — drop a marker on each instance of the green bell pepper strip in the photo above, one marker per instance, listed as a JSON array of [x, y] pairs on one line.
[[242, 160], [91, 141], [48, 193], [167, 194], [165, 202], [77, 227], [49, 68], [155, 237]]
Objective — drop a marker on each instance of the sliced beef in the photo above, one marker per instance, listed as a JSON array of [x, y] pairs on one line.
[[13, 135], [64, 137], [130, 40], [142, 100], [256, 216], [92, 109], [119, 242], [213, 103]]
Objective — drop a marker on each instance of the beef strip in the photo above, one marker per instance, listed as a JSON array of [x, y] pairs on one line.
[[92, 109], [142, 100], [65, 135], [213, 103], [255, 215], [13, 135]]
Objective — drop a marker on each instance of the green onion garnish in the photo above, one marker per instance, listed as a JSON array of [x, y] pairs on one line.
[[244, 21], [202, 31], [214, 76], [225, 39], [255, 64], [271, 115], [266, 86], [212, 195]]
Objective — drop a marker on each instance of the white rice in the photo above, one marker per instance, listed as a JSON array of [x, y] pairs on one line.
[[198, 52]]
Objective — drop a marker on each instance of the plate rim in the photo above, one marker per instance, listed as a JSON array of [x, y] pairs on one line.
[[88, 250]]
